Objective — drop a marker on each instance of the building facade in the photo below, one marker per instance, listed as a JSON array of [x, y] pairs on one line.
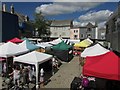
[[9, 26], [101, 34], [14, 24], [75, 33], [25, 26], [113, 30], [89, 31], [60, 28]]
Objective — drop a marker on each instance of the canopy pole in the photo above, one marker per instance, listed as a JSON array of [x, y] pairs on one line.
[[6, 66], [37, 70]]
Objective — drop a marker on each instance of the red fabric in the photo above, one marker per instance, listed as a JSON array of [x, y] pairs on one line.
[[76, 52], [16, 40], [103, 66], [2, 59]]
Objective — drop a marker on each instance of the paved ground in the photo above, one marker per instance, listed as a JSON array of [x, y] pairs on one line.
[[65, 75], [0, 83]]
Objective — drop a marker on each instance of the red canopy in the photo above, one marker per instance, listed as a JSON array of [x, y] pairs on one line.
[[16, 40], [2, 59], [103, 66]]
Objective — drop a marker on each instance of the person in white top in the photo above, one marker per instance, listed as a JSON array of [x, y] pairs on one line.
[[4, 68], [16, 75], [30, 73], [55, 63], [41, 75], [33, 71]]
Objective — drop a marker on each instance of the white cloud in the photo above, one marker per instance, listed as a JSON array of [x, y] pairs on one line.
[[99, 16], [65, 7], [101, 24], [78, 23]]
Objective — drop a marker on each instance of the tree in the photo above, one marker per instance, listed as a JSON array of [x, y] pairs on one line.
[[42, 25]]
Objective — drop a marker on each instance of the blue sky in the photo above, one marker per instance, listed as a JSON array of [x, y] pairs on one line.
[[78, 11]]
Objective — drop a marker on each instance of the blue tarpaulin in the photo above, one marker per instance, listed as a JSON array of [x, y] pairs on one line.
[[31, 46]]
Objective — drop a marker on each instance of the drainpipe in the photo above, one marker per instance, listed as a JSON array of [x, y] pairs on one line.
[[96, 33]]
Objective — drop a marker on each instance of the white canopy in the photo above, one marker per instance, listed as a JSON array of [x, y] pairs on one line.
[[95, 50], [89, 40], [74, 41], [35, 58], [44, 45], [10, 49], [56, 41]]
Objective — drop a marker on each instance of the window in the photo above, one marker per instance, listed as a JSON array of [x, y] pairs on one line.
[[55, 34], [107, 28], [118, 24], [89, 29], [88, 35], [75, 36], [63, 34], [102, 34], [75, 31], [113, 24], [82, 36], [103, 37]]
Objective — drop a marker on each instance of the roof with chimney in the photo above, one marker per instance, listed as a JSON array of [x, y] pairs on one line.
[[90, 25], [22, 18]]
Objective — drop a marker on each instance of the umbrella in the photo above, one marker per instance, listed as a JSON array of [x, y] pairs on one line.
[[103, 66]]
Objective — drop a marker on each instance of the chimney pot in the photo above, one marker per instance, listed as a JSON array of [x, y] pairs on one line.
[[4, 7], [12, 9]]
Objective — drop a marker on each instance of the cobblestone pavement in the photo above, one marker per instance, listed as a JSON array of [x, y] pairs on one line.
[[65, 75]]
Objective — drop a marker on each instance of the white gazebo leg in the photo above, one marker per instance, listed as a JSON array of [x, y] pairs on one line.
[[37, 70]]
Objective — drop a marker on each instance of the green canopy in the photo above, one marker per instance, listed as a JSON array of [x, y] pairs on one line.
[[61, 46]]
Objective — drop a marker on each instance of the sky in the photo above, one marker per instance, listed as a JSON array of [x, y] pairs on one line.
[[80, 12]]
